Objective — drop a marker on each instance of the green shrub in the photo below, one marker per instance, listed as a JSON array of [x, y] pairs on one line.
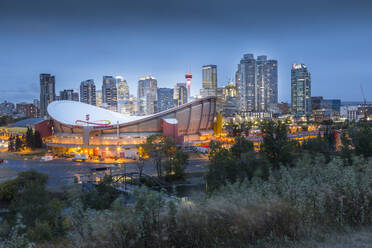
[[40, 232]]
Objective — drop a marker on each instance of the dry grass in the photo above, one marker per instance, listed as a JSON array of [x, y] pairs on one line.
[[360, 238]]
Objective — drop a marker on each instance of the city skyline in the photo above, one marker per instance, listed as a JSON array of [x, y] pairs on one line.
[[64, 41]]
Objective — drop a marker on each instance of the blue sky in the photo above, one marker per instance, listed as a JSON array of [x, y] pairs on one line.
[[78, 40]]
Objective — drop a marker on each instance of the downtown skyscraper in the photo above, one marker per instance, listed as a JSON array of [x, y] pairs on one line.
[[209, 81], [300, 90], [257, 84], [147, 95], [123, 94], [180, 95], [123, 88], [69, 95], [109, 93], [88, 92], [165, 99], [47, 92]]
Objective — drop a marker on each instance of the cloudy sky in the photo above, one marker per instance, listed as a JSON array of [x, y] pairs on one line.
[[80, 39]]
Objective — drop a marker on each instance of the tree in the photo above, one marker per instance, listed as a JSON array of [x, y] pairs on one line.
[[37, 140], [233, 129], [221, 167], [253, 164], [31, 203], [102, 196], [31, 176], [362, 141], [242, 145], [176, 166], [246, 127], [30, 138], [18, 144], [275, 143], [158, 146], [11, 144], [346, 149]]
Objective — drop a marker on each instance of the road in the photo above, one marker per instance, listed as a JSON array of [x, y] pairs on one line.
[[60, 171]]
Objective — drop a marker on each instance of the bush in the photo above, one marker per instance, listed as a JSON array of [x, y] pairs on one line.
[[8, 190], [290, 204], [40, 232]]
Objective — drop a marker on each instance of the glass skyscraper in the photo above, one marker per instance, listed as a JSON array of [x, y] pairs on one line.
[[109, 93], [300, 90], [257, 83], [165, 99], [147, 95], [47, 92], [209, 81], [88, 92]]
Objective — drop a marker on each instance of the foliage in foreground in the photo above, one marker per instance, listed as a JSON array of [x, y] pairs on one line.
[[292, 203]]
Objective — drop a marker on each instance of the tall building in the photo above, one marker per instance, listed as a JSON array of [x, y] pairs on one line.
[[123, 93], [109, 93], [176, 94], [226, 100], [123, 89], [69, 95], [7, 108], [88, 92], [28, 110], [333, 104], [147, 95], [316, 102], [129, 107], [99, 98], [209, 81], [300, 90], [47, 92], [37, 105], [181, 95], [257, 84], [165, 99]]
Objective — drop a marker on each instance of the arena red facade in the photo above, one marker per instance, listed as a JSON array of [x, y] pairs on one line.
[[184, 123]]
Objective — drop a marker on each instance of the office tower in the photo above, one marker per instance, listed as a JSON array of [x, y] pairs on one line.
[[88, 92], [209, 81], [257, 84], [27, 110], [246, 86], [129, 107], [47, 92], [147, 95], [123, 93], [165, 99], [226, 100], [123, 89], [37, 105], [176, 91], [300, 90], [181, 95], [283, 108], [332, 104], [69, 95], [99, 98], [109, 93], [316, 102]]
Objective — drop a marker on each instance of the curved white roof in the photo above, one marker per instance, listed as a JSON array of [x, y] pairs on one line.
[[82, 114]]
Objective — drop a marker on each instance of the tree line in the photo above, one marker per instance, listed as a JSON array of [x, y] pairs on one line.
[[240, 162], [31, 140]]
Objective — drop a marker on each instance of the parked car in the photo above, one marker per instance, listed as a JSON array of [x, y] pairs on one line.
[[80, 157]]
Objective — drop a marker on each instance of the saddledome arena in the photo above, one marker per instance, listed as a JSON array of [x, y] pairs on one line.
[[97, 131]]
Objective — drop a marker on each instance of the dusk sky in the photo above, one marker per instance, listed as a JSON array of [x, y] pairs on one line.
[[77, 40]]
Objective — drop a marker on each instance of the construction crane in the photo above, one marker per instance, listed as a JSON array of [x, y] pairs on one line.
[[364, 102]]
